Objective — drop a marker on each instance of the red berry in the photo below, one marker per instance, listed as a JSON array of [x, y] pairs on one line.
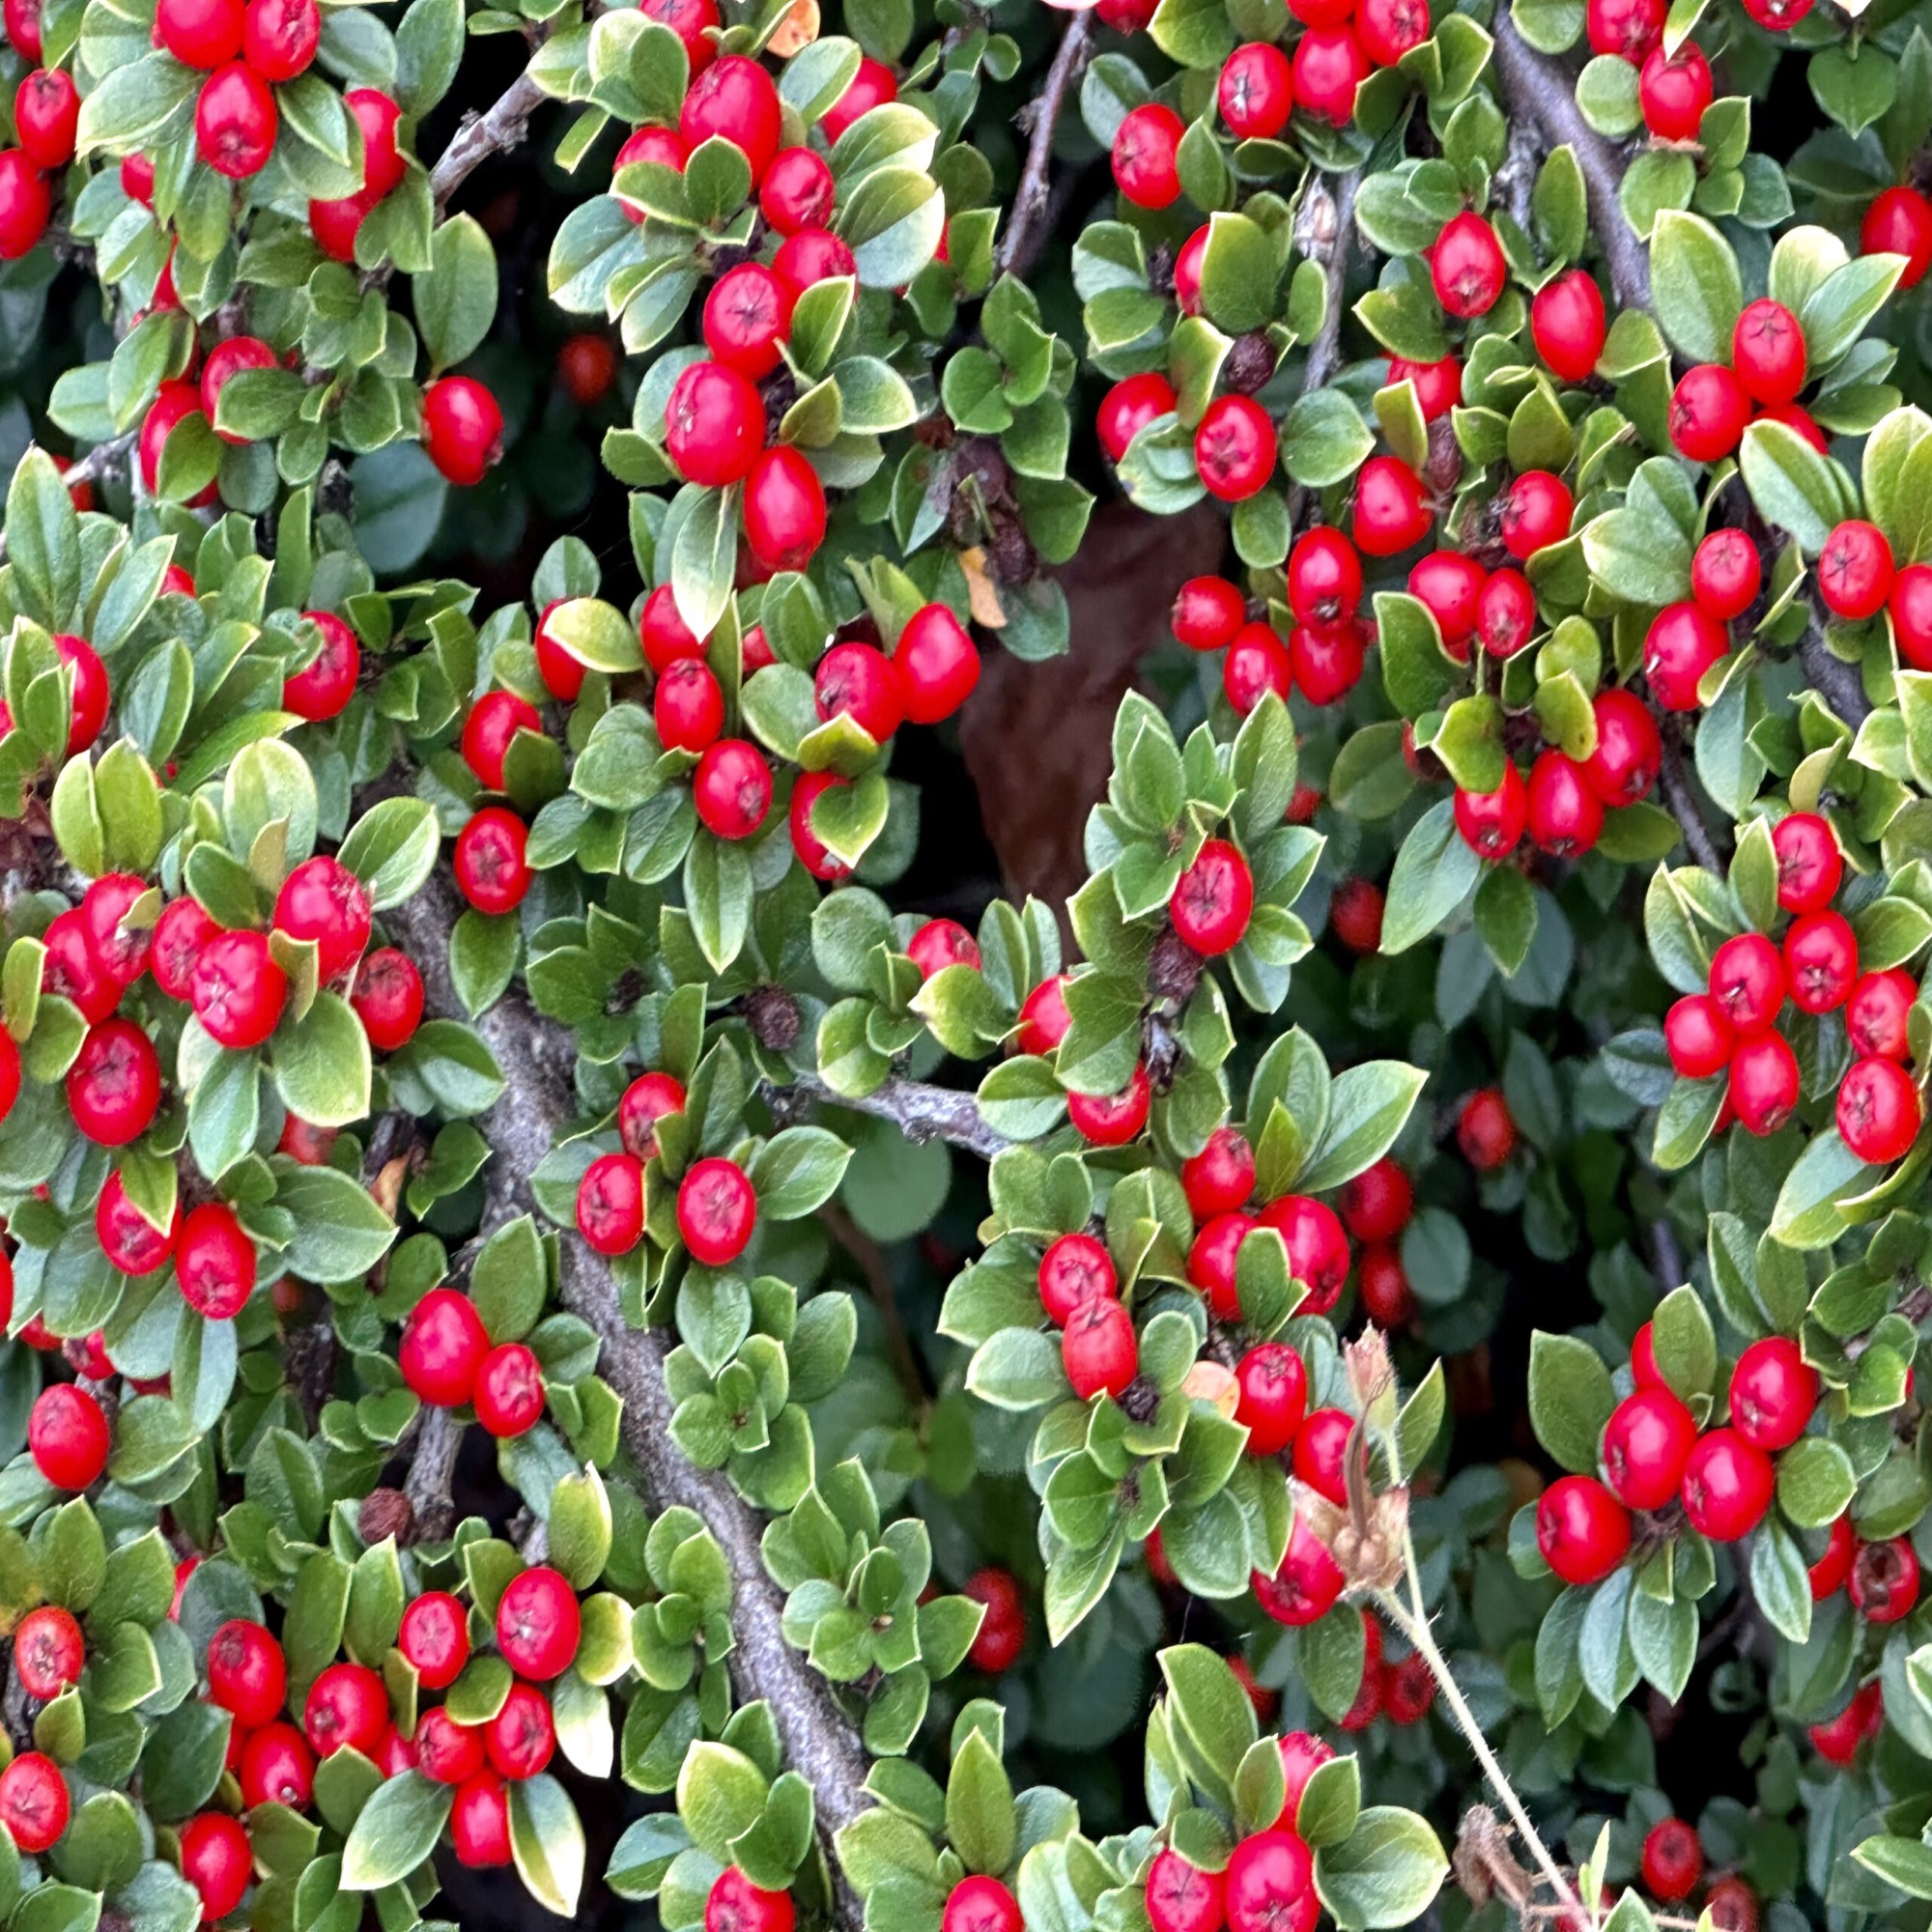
[[734, 1904], [1207, 613], [1876, 1016], [1073, 1271], [1355, 912], [1451, 586], [785, 510], [1708, 410], [1630, 749], [1566, 816], [1674, 1861], [443, 1346], [88, 710], [663, 147], [1911, 608], [277, 1768], [1768, 352], [509, 1393], [1221, 1176], [1377, 1203], [872, 86], [23, 30], [1147, 146], [1581, 1529], [1044, 1017], [1700, 1038], [1256, 92], [1885, 1580], [1113, 1120], [941, 943], [1391, 514], [234, 122], [279, 36], [1899, 222], [1099, 1348], [688, 707], [736, 98], [611, 1204], [522, 1735], [1492, 822], [49, 1651], [72, 970], [174, 403], [716, 1211], [733, 788], [114, 1085], [666, 636], [491, 871], [1438, 385], [1301, 1757], [691, 20], [1328, 65], [1181, 1898], [1725, 574], [479, 1823], [388, 999], [1880, 1111], [537, 1623], [199, 33], [1271, 1874], [1627, 28], [1566, 320], [1763, 1085], [981, 1904], [1325, 576], [1368, 1704], [586, 365], [1128, 407], [34, 1802], [1673, 90], [648, 1100], [1212, 1261], [1837, 1742], [1388, 29], [1307, 1585], [1821, 961], [238, 990], [228, 359], [216, 1860], [812, 256], [462, 429], [1467, 265], [1213, 901], [215, 1261], [812, 853], [247, 1674], [1536, 511], [1647, 1441], [747, 320], [447, 1752], [797, 192], [347, 1709], [26, 205], [1318, 1250], [1321, 1451], [1484, 1132], [488, 732], [1234, 449], [1799, 421], [1728, 1486], [1273, 1397], [1506, 614], [323, 900], [46, 117], [1256, 663], [435, 1638], [1747, 983], [1684, 642], [322, 688], [1827, 1576], [1855, 570], [1388, 1300], [938, 665], [1001, 1633]]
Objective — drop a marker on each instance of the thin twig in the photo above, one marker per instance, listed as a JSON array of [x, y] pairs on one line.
[[919, 1111], [1546, 93], [1021, 241], [1325, 352], [1674, 781]]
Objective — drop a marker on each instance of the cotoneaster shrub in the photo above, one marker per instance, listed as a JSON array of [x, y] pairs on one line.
[[561, 1314]]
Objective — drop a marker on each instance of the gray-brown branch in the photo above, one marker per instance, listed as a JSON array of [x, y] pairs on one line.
[[1674, 781], [495, 132], [536, 1056], [1545, 91], [1840, 684], [921, 1111], [1021, 243]]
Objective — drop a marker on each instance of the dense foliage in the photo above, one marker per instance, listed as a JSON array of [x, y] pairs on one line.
[[563, 1312]]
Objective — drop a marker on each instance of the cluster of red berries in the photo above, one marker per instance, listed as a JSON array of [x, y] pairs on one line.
[[46, 122], [1713, 403], [1653, 1457], [1403, 1690], [243, 46], [717, 1205], [1732, 1029], [1857, 578], [447, 1358], [1268, 1884], [1672, 1863], [1002, 1634]]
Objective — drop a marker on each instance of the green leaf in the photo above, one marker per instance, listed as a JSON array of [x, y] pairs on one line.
[[1434, 871], [1790, 483], [1695, 283], [1570, 1399], [1384, 1874], [547, 1842], [395, 1832]]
